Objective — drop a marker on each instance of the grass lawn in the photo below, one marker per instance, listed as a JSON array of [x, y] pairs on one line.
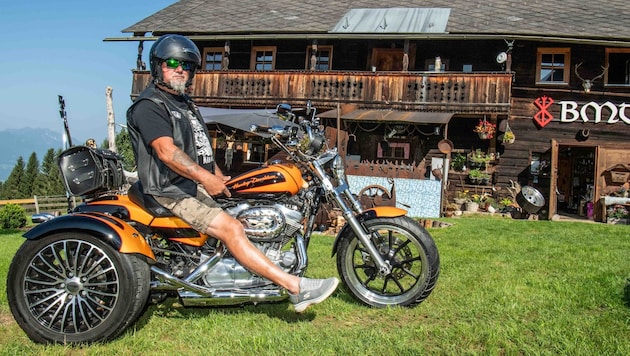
[[506, 287]]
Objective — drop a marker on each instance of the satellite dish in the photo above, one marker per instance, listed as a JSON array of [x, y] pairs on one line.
[[501, 57]]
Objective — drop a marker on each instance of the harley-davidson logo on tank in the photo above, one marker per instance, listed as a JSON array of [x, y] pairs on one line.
[[571, 111], [277, 178]]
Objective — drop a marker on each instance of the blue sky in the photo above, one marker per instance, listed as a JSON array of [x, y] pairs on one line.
[[51, 48]]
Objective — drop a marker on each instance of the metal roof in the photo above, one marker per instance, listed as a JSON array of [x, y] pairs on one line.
[[393, 20], [595, 21]]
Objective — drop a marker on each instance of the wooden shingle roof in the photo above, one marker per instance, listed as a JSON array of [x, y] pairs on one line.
[[599, 20]]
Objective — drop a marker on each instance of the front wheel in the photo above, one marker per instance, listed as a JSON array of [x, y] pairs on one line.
[[406, 246], [74, 288]]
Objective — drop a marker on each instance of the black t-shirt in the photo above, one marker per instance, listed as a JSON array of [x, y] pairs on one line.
[[154, 122]]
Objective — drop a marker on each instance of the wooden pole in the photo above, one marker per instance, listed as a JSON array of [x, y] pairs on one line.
[[111, 122], [339, 126]]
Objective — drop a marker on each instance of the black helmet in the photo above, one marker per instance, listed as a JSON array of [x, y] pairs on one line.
[[173, 46]]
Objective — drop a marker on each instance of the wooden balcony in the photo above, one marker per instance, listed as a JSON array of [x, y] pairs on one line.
[[479, 93]]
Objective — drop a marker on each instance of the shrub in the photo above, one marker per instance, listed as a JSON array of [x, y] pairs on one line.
[[12, 216]]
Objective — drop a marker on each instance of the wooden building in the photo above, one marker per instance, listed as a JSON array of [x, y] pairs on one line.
[[399, 78]]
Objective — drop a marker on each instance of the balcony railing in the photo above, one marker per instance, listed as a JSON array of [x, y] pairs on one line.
[[421, 91]]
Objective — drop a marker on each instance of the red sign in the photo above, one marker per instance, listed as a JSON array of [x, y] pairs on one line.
[[543, 117]]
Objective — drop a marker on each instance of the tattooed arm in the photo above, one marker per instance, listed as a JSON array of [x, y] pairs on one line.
[[178, 161]]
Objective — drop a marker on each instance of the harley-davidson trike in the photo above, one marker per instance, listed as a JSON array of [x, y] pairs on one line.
[[86, 276]]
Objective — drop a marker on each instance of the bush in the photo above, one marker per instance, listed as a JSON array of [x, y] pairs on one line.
[[12, 216]]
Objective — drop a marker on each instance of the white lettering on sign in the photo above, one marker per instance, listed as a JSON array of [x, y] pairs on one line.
[[606, 112]]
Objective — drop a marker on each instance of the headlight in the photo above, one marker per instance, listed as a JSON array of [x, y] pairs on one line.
[[338, 168]]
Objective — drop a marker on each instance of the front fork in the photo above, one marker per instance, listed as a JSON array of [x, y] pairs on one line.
[[342, 195]]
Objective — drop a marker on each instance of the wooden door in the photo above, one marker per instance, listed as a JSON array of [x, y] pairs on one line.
[[553, 183]]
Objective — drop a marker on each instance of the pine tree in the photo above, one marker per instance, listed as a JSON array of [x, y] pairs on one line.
[[124, 149], [56, 180], [123, 146], [30, 175], [12, 184], [49, 182]]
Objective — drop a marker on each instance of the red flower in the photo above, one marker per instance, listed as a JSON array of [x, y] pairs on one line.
[[486, 127]]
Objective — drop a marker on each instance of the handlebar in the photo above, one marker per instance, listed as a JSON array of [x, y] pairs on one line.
[[276, 130], [304, 137]]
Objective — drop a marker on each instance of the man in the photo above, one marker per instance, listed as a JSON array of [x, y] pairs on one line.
[[176, 165]]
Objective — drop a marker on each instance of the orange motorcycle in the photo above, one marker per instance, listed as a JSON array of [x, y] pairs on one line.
[[87, 276]]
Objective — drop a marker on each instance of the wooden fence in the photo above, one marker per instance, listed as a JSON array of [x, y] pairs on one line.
[[52, 204]]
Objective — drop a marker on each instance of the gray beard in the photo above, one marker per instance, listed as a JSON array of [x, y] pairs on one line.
[[178, 85]]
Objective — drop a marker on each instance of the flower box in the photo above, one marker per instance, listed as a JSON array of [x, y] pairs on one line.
[[618, 221]]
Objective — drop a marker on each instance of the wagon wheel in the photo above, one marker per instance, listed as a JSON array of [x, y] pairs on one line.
[[375, 192]]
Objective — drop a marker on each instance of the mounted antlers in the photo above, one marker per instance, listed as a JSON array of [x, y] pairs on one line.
[[587, 84]]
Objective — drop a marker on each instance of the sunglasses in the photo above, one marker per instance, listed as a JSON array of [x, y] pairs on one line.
[[174, 63]]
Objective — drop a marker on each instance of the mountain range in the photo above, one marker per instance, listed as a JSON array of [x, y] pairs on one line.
[[23, 142]]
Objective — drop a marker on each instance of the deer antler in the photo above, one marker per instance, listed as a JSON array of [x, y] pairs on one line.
[[576, 71], [604, 70], [587, 84]]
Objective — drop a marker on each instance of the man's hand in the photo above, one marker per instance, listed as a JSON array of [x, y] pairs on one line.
[[215, 185]]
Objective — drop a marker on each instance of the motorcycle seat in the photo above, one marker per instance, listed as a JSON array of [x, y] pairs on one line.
[[146, 201]]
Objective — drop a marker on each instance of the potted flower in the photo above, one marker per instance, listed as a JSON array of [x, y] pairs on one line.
[[505, 202], [488, 204], [458, 162], [508, 137], [477, 176], [617, 214], [474, 175], [485, 129], [478, 158], [472, 205], [460, 197]]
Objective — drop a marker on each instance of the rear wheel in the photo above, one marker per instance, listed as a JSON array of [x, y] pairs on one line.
[[409, 250], [74, 288]]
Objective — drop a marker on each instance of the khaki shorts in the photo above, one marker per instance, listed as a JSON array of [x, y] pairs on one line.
[[197, 211]]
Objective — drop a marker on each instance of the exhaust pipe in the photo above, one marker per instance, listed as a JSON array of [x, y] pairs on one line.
[[233, 297], [193, 295], [172, 281]]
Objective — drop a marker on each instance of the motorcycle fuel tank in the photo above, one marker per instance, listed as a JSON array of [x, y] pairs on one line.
[[273, 179]]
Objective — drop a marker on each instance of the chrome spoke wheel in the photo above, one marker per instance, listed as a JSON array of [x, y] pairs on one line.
[[71, 286]]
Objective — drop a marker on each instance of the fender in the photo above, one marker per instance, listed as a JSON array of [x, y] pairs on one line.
[[111, 230], [375, 212]]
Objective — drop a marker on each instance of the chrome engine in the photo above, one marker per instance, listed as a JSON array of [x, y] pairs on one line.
[[267, 222], [270, 228]]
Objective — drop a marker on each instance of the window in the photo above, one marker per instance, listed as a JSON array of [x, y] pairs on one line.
[[212, 58], [393, 150], [323, 56], [552, 66], [618, 62], [263, 58]]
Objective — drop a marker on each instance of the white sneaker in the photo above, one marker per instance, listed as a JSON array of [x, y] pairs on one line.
[[312, 291]]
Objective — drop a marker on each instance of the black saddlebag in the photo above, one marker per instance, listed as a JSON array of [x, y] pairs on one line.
[[88, 170]]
